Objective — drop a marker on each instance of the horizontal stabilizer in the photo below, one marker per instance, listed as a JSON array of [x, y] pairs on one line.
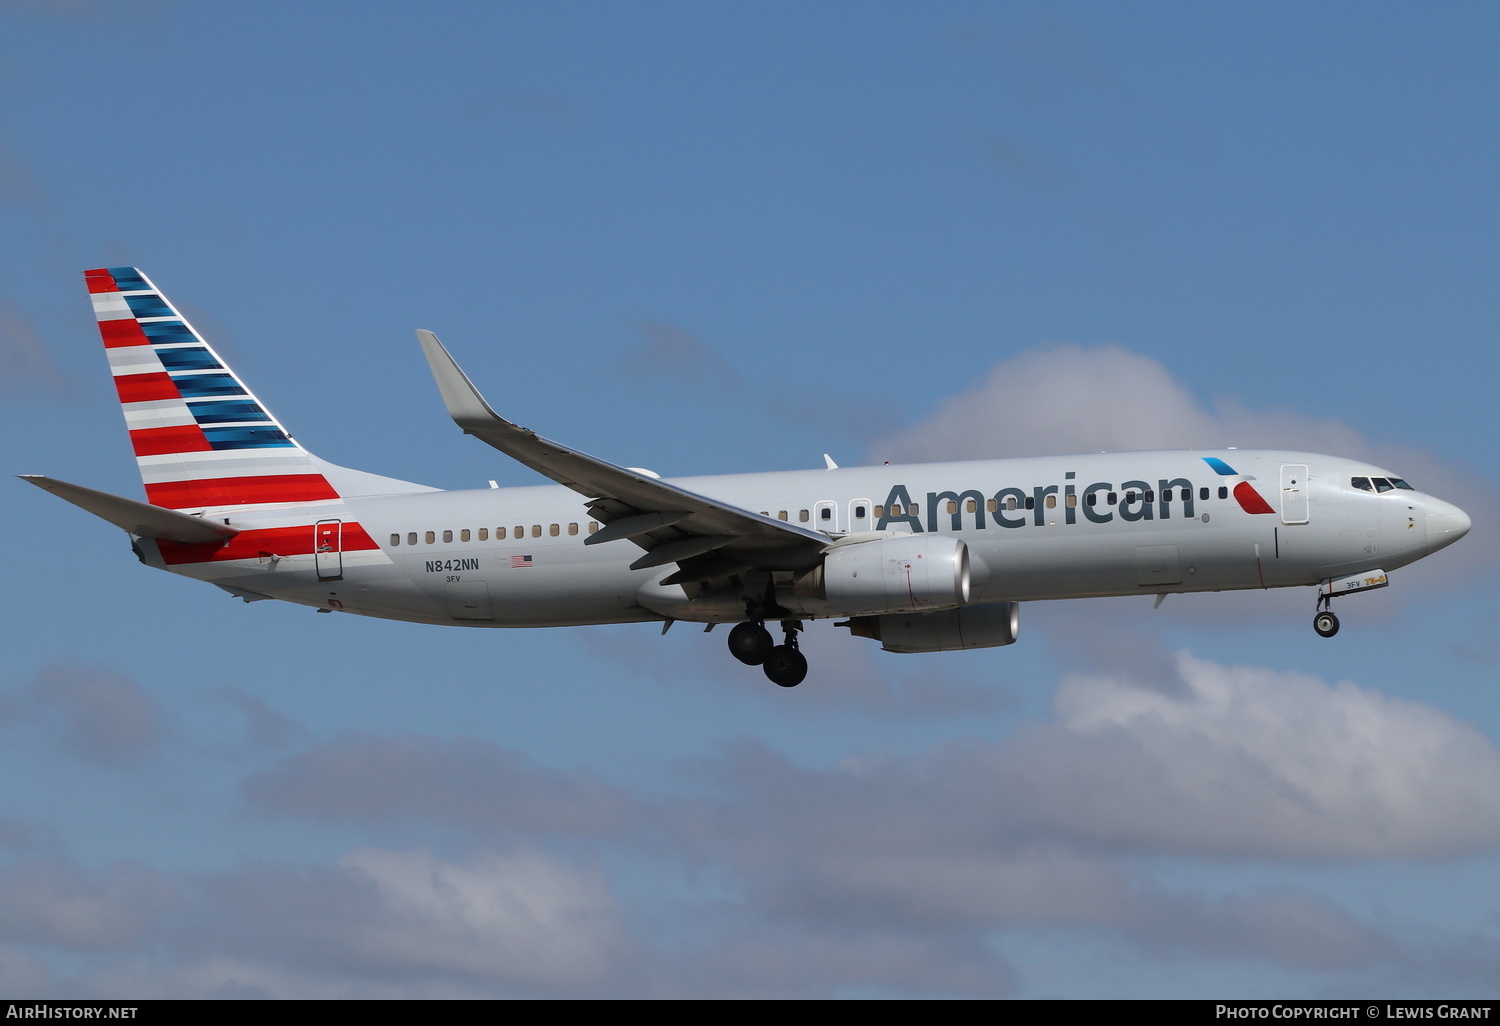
[[138, 518]]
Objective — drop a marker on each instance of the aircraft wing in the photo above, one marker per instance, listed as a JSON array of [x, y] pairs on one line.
[[706, 537], [138, 518]]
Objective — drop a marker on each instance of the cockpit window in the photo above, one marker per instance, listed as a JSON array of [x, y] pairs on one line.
[[1402, 484], [1362, 483], [1382, 485]]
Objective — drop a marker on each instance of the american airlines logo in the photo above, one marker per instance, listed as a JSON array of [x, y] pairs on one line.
[[1099, 502]]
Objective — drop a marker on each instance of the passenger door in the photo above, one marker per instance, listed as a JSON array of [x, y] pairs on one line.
[[1294, 504]]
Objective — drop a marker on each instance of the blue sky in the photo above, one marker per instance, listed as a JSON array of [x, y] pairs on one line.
[[712, 238]]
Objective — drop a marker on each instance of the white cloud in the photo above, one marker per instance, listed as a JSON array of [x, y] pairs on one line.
[[54, 903], [462, 781], [514, 922], [1248, 761], [522, 918], [889, 873], [107, 718], [1068, 398], [1037, 828]]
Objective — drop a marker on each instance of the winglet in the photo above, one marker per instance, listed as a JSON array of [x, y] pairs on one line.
[[465, 405]]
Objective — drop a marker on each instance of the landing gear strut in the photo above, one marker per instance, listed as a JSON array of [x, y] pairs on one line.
[[1325, 623], [785, 665]]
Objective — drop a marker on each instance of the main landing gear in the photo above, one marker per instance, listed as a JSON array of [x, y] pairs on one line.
[[784, 664], [1325, 623]]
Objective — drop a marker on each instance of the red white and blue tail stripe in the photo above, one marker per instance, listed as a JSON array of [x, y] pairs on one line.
[[202, 440]]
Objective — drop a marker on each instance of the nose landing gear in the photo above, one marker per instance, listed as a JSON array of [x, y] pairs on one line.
[[1324, 622]]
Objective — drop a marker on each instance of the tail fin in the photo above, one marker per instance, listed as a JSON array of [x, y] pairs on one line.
[[201, 438]]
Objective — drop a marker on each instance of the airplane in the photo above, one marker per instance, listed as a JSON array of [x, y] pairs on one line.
[[921, 558]]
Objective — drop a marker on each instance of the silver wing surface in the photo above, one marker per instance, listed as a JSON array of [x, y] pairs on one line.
[[705, 537]]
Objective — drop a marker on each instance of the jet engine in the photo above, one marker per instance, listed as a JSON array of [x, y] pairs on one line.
[[908, 573], [949, 630]]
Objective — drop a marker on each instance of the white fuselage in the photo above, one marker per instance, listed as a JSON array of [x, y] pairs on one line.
[[1051, 527]]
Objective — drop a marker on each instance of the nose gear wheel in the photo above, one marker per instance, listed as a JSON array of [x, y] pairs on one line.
[[1324, 622]]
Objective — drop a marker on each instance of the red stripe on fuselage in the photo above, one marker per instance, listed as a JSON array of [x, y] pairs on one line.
[[1250, 500], [240, 491], [163, 440], [141, 388], [122, 332], [273, 541]]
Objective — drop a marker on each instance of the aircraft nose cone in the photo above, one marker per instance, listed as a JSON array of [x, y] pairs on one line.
[[1446, 524]]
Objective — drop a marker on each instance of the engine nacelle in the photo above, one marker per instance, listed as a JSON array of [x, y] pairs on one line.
[[908, 573], [950, 630]]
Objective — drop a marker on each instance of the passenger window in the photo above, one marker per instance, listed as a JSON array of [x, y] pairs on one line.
[[554, 530], [593, 527], [879, 512], [952, 507], [572, 529], [970, 507], [1223, 491], [1051, 502], [781, 514], [499, 534], [1031, 502], [1010, 502], [1362, 483], [1112, 498], [520, 531], [1091, 499], [1129, 497], [484, 533], [1203, 494], [990, 505], [803, 516], [536, 530], [1150, 495], [1072, 501], [447, 537], [430, 538], [914, 510], [411, 539], [395, 539], [463, 535]]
